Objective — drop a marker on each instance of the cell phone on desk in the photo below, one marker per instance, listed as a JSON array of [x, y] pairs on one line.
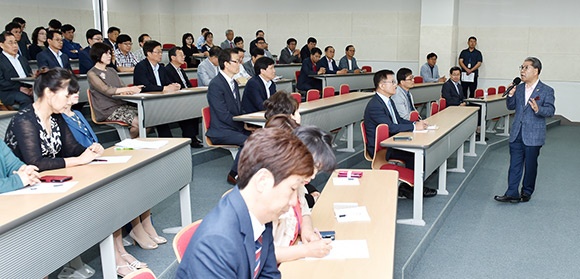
[[327, 235], [55, 178], [402, 138], [353, 174]]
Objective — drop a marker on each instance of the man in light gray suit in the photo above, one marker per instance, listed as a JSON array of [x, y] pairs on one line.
[[229, 42], [208, 68], [249, 66], [348, 61], [533, 102]]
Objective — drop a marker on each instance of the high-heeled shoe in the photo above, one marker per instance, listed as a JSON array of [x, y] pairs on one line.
[[158, 239], [124, 270], [146, 243], [133, 261]]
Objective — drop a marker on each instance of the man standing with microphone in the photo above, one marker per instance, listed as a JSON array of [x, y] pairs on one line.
[[533, 102]]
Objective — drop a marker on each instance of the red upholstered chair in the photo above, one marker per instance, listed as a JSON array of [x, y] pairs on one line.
[[182, 239], [297, 96], [168, 46], [183, 66], [434, 108], [363, 132], [418, 79], [328, 92], [491, 91], [205, 114], [380, 163], [367, 69], [312, 94], [193, 82], [296, 75], [344, 89], [442, 104], [121, 127], [143, 273], [414, 116], [76, 72], [500, 89], [478, 93]]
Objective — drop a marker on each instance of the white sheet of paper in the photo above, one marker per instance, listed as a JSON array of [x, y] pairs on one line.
[[111, 160], [467, 78], [140, 144], [345, 181], [352, 214], [347, 249], [420, 131], [432, 127], [44, 188]]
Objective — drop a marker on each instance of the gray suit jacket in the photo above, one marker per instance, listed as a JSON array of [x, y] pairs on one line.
[[249, 68], [287, 58], [206, 71], [343, 64], [226, 44]]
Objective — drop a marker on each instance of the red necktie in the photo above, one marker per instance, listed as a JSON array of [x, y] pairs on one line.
[[313, 66], [258, 254]]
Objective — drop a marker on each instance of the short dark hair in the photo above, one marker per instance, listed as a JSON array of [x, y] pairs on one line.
[[35, 34], [207, 35], [277, 150], [12, 25], [185, 36], [149, 46], [259, 39], [311, 40], [173, 52], [4, 35], [262, 63], [280, 103], [402, 74], [319, 143], [205, 29], [380, 76], [67, 27], [19, 20], [56, 79], [472, 37], [142, 37], [214, 51], [97, 50], [315, 50], [536, 63], [283, 121], [50, 34], [258, 32], [431, 55], [113, 29], [55, 24], [239, 49], [225, 55], [327, 48], [238, 39], [347, 47], [91, 33], [453, 69], [123, 38], [256, 51], [291, 40]]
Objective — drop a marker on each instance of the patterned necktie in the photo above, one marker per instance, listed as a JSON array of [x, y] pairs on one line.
[[411, 106], [258, 255], [390, 105]]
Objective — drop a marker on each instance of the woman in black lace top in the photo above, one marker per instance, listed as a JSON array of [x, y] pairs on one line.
[[39, 135]]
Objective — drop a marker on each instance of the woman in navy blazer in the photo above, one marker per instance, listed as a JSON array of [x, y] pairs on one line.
[[78, 125]]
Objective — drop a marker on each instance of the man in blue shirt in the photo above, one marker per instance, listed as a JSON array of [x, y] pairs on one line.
[[430, 71], [70, 48], [470, 60]]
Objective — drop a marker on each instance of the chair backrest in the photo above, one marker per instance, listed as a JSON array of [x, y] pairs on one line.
[[414, 116], [143, 273], [500, 89], [344, 89], [297, 96], [478, 93], [367, 69], [442, 104], [491, 91], [168, 46], [328, 92], [296, 75], [193, 82], [206, 119], [312, 94], [380, 158], [183, 66], [94, 117], [363, 132], [434, 108], [76, 71], [182, 238], [418, 79]]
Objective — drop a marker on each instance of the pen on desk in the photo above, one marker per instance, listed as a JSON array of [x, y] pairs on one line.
[[342, 215], [58, 185], [99, 160], [123, 148]]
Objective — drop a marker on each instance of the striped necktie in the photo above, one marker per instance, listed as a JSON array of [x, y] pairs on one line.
[[258, 255], [390, 106]]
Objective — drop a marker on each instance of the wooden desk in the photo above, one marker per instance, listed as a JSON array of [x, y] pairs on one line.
[[425, 93], [356, 82], [5, 117], [327, 114], [157, 108], [431, 149], [40, 233], [492, 106], [378, 192], [288, 71]]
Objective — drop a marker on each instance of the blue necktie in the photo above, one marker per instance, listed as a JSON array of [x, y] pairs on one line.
[[390, 106], [411, 107]]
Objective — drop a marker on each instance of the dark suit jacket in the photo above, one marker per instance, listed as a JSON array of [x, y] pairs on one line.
[[9, 87], [172, 76], [107, 42], [223, 107], [377, 113], [223, 246], [532, 125], [323, 62], [305, 82], [143, 75], [450, 94], [255, 95], [85, 62], [287, 58], [304, 52], [46, 59]]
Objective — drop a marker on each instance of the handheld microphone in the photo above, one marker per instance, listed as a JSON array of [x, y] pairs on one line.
[[514, 83]]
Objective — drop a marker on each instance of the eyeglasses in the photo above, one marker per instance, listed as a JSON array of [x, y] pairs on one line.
[[157, 51], [390, 82], [526, 67], [410, 78], [234, 61], [127, 43]]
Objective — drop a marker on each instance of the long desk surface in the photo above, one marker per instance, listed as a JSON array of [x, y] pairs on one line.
[[431, 150], [492, 106], [425, 93], [287, 70], [41, 232], [356, 82], [5, 117], [378, 192]]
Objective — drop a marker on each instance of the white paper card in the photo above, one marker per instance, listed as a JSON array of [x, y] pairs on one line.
[[467, 78], [140, 144], [44, 188], [345, 181], [432, 127], [352, 214], [110, 160], [347, 249]]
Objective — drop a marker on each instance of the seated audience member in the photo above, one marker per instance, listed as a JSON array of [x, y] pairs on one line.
[[85, 62], [260, 87], [261, 44], [224, 100], [382, 110], [229, 41], [38, 42], [201, 39], [430, 71], [54, 25], [39, 135], [14, 174], [403, 99], [208, 68], [13, 65], [112, 34], [239, 42], [451, 90], [329, 63], [190, 51], [24, 41], [52, 56], [176, 74], [139, 52], [249, 65], [208, 37], [307, 48], [70, 48], [290, 54], [242, 76], [124, 58], [273, 166], [78, 125], [305, 82], [16, 30], [259, 33], [104, 83], [348, 61]]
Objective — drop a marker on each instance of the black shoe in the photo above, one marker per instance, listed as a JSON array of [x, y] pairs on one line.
[[525, 198], [232, 178], [406, 191], [506, 199], [195, 144], [478, 137], [428, 192]]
